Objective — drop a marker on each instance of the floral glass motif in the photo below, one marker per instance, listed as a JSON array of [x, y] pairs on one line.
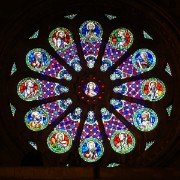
[[168, 69], [120, 40], [14, 69], [91, 148], [141, 61], [30, 89], [152, 89], [91, 38], [62, 41], [71, 16], [145, 119], [149, 144], [40, 61], [169, 110], [110, 17], [35, 35], [13, 109], [59, 141], [146, 35], [33, 144]]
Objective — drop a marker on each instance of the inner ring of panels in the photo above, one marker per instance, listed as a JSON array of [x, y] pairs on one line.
[[92, 88]]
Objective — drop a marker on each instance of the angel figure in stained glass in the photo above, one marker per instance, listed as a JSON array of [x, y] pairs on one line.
[[90, 33]]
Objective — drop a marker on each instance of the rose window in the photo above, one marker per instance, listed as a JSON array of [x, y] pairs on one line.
[[91, 92]]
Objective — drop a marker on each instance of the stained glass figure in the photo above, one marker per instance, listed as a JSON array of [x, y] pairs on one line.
[[91, 89], [13, 109], [40, 61], [35, 35], [91, 148], [152, 89], [33, 144], [146, 35], [91, 38], [168, 69], [59, 141], [169, 110], [110, 17], [62, 41], [71, 16], [38, 118], [123, 141], [145, 119], [120, 40], [30, 89], [70, 123], [14, 69], [149, 144], [113, 165]]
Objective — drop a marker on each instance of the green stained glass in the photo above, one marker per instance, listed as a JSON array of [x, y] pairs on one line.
[[71, 16], [35, 35], [168, 69], [110, 17], [169, 110], [13, 109], [149, 144], [14, 69], [146, 35], [113, 165]]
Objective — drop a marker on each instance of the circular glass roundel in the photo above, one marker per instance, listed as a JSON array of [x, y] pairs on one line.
[[92, 91], [91, 149], [59, 141], [123, 141]]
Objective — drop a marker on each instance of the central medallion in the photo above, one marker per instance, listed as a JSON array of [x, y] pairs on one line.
[[91, 89]]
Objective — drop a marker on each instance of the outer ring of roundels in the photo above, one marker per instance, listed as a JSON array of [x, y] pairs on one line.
[[33, 110], [62, 150], [55, 31], [123, 47], [145, 69], [140, 111], [84, 38], [95, 141], [153, 80], [123, 151], [19, 90], [37, 50]]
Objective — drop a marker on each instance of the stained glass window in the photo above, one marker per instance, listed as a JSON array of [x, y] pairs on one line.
[[89, 95]]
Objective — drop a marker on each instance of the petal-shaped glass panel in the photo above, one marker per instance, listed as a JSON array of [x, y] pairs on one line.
[[40, 61], [30, 89], [141, 61], [62, 41], [38, 118], [91, 148], [152, 89], [91, 38], [120, 40]]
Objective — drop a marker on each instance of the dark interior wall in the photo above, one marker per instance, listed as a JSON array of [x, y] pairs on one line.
[[9, 11]]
